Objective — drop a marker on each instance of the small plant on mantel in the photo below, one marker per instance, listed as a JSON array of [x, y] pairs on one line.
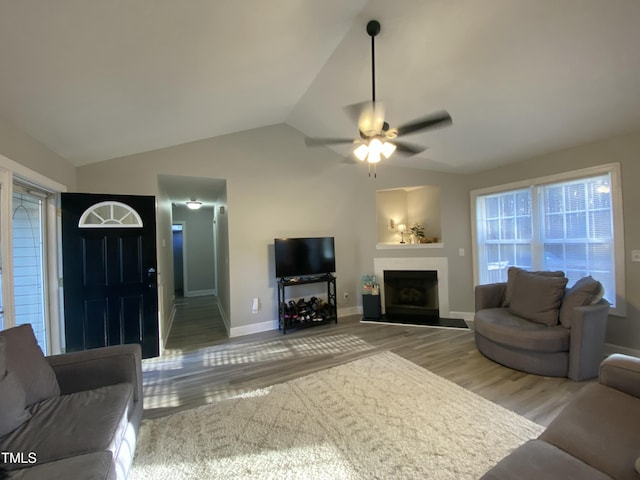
[[417, 230]]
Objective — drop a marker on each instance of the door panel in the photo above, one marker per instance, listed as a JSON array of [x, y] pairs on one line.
[[110, 292], [95, 318]]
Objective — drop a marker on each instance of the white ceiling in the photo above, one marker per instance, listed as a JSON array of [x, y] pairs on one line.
[[96, 79]]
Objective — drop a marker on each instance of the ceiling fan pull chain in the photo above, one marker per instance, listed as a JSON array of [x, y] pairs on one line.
[[375, 174]]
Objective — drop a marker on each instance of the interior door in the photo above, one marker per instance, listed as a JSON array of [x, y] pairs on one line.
[[109, 271]]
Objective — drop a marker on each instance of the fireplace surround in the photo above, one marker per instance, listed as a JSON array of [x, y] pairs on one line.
[[440, 294], [437, 264]]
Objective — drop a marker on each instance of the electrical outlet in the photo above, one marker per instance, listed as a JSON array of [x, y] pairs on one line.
[[346, 295], [635, 255]]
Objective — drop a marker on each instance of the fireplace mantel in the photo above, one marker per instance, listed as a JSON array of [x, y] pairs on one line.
[[439, 264]]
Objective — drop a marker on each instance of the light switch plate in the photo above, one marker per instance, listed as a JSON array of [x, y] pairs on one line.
[[635, 255]]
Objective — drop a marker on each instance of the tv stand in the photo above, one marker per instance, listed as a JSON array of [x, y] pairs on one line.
[[329, 313]]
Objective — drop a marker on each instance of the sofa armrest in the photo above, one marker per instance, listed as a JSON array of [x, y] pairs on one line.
[[586, 348], [99, 367], [621, 372], [490, 295]]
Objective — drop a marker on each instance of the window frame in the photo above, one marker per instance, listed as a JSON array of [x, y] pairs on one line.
[[13, 172], [613, 169]]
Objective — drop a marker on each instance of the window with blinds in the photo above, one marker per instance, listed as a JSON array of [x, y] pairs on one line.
[[563, 225], [29, 262]]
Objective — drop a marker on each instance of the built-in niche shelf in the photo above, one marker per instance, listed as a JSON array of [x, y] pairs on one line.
[[407, 246], [398, 209]]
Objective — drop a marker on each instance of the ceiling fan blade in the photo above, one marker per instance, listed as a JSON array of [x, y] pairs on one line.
[[435, 120], [408, 149], [318, 141], [353, 111], [368, 115]]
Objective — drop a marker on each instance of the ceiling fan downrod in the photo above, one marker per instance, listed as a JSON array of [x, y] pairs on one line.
[[373, 29]]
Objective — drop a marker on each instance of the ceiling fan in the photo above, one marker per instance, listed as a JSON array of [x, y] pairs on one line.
[[376, 138]]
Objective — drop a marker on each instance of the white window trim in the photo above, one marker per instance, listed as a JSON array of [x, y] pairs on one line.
[[618, 226], [11, 171], [116, 223]]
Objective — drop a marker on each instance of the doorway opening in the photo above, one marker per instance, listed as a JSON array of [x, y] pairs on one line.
[[177, 236], [198, 290]]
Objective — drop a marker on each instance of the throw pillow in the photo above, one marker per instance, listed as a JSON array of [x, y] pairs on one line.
[[537, 298], [582, 293], [12, 408], [511, 275], [26, 360]]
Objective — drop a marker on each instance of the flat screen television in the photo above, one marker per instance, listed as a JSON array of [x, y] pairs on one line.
[[298, 257]]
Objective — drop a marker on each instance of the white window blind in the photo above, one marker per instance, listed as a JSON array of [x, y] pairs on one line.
[[564, 225]]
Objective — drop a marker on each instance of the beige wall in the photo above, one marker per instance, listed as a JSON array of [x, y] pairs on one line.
[[164, 277], [423, 206], [198, 238], [20, 147], [624, 150], [455, 226], [390, 204], [278, 187]]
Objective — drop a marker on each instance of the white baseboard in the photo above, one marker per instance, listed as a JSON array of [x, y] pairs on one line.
[[225, 317], [466, 316], [253, 328], [172, 317], [273, 324], [199, 293], [346, 311], [610, 348]]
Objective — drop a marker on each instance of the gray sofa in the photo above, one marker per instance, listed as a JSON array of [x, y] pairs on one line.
[[596, 436], [71, 416], [533, 323]]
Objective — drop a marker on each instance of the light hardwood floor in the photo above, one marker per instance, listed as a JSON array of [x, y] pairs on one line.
[[186, 377]]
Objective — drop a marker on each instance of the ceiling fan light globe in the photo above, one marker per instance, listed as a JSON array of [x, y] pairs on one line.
[[374, 157], [361, 152], [387, 149], [375, 145], [375, 149]]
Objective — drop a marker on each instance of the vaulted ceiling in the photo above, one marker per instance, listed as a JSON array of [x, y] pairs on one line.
[[95, 79]]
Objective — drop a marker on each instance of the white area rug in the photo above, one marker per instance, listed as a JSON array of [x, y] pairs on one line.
[[378, 417]]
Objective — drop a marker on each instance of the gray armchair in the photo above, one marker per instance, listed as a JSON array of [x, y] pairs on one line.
[[573, 348]]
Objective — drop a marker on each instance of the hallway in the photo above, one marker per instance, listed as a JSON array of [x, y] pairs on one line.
[[197, 324]]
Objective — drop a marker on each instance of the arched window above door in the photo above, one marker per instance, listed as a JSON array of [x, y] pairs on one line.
[[110, 215]]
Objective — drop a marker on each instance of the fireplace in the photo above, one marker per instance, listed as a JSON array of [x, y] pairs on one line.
[[411, 296], [434, 311]]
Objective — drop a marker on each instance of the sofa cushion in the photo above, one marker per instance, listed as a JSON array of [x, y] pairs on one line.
[[25, 358], [600, 427], [584, 292], [537, 297], [499, 325], [538, 460], [74, 424], [511, 275], [92, 466], [12, 396]]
